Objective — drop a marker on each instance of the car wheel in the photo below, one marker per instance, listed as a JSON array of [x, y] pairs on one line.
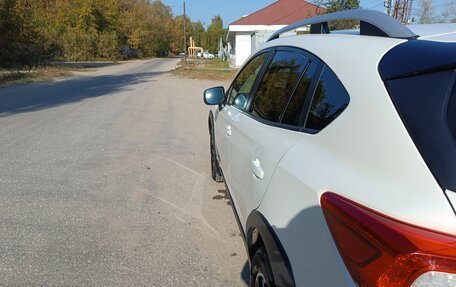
[[260, 272], [215, 169]]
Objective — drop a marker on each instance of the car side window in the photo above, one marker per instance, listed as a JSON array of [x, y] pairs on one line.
[[295, 106], [329, 101], [278, 84], [241, 88]]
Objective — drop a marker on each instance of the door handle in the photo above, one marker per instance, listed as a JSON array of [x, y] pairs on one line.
[[228, 130], [257, 169]]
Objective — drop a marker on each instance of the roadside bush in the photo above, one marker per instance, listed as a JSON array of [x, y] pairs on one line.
[[79, 46], [108, 46]]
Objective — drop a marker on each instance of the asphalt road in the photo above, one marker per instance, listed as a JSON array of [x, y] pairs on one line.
[[105, 180]]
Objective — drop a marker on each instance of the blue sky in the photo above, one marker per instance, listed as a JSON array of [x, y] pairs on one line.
[[232, 10]]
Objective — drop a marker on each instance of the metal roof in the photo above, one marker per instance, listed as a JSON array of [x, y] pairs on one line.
[[282, 12]]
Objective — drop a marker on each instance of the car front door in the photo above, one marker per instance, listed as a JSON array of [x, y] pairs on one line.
[[267, 128], [237, 96]]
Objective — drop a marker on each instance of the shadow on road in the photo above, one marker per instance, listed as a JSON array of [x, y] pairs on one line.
[[223, 195], [39, 96]]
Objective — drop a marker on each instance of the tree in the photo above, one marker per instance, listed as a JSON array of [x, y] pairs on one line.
[[199, 34], [147, 27], [177, 43], [34, 32], [449, 12], [21, 42], [341, 5], [160, 28], [215, 31], [336, 6], [426, 12]]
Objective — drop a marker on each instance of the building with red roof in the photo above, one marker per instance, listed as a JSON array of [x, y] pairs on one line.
[[248, 33]]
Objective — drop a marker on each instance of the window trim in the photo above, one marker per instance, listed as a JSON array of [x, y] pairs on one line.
[[308, 104], [268, 52], [293, 93], [313, 59], [290, 50], [310, 96]]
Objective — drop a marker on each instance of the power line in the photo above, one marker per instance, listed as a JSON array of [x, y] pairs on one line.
[[381, 3]]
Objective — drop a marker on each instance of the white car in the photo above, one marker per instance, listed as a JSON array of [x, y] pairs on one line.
[[339, 154], [207, 55]]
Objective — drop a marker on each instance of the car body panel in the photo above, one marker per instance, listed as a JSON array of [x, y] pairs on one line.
[[452, 198], [365, 155], [222, 139], [348, 158], [252, 141], [301, 228], [362, 136]]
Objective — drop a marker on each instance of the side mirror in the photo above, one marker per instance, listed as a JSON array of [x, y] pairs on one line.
[[214, 96]]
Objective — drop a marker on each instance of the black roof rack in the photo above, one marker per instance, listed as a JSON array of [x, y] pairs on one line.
[[372, 23]]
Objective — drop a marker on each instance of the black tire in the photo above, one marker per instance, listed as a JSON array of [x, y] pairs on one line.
[[260, 272], [215, 169]]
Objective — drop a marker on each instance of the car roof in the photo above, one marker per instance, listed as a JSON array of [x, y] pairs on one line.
[[362, 52], [443, 32], [357, 49]]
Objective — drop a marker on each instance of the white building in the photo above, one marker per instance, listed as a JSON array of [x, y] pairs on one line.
[[251, 31]]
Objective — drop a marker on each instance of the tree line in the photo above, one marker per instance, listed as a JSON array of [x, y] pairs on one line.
[[33, 32], [427, 12], [423, 12]]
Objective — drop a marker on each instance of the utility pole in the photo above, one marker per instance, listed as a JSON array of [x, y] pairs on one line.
[[185, 36]]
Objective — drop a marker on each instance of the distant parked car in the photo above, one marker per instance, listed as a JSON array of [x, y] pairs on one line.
[[339, 154], [207, 55]]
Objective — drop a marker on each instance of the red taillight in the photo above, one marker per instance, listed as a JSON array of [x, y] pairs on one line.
[[380, 251]]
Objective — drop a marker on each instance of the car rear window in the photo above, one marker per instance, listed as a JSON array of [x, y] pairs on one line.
[[329, 101], [427, 105]]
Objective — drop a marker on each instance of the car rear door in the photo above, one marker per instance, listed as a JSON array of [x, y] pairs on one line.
[[262, 132]]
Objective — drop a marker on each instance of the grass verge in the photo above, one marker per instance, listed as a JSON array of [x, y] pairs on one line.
[[36, 74], [205, 69]]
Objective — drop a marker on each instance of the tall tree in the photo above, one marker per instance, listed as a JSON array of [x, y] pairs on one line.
[[341, 5], [426, 12], [36, 31], [215, 31], [21, 43], [332, 6], [177, 43], [449, 12], [199, 34]]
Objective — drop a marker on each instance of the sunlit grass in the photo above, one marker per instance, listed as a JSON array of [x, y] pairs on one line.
[[36, 74], [213, 69]]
